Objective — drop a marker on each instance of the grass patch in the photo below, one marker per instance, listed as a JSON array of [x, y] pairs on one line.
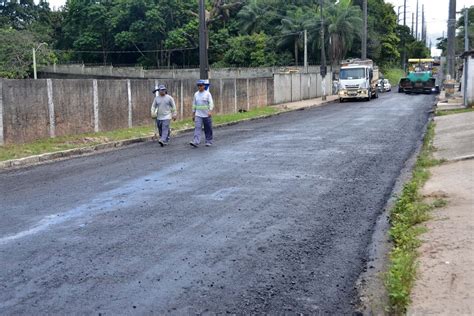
[[408, 212], [393, 75], [455, 111], [50, 145]]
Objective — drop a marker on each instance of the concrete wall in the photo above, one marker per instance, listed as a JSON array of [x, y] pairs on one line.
[[76, 113], [25, 110], [297, 87], [469, 73], [102, 72], [34, 109]]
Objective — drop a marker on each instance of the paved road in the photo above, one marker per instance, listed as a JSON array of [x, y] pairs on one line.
[[277, 216]]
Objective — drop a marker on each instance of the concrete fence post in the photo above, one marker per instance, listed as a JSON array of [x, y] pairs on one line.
[[235, 95], [95, 101], [52, 117], [2, 140], [181, 99], [266, 93], [129, 94], [301, 87], [221, 95], [248, 95]]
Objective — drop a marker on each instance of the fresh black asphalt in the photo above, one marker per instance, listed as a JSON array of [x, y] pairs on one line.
[[275, 218]]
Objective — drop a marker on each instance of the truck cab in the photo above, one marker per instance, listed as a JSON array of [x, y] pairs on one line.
[[357, 81]]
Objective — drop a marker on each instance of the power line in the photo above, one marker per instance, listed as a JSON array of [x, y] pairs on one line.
[[123, 51]]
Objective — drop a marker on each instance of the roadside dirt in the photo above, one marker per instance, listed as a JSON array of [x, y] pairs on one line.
[[446, 274]]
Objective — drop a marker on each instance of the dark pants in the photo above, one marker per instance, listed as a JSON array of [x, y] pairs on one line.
[[163, 130], [198, 123]]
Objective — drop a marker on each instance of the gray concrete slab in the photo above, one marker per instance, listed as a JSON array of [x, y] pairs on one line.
[[454, 137]]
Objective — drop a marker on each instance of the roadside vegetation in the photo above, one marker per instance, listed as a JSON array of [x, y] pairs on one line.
[[51, 145], [409, 211], [456, 111], [393, 75], [164, 33]]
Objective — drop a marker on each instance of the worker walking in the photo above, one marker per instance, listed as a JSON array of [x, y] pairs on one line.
[[202, 114], [163, 109]]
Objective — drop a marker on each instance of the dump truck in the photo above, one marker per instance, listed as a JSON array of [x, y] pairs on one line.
[[358, 80], [420, 78]]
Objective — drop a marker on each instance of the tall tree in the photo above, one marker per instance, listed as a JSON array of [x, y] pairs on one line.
[[344, 25], [292, 27], [16, 53]]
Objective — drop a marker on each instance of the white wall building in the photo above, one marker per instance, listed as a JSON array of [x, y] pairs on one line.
[[468, 77]]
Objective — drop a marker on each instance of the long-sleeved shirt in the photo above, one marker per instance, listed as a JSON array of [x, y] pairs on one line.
[[202, 103], [166, 107]]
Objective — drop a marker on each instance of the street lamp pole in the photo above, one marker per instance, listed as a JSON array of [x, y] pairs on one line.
[[35, 76]]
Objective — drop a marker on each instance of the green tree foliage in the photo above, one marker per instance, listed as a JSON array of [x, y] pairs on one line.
[[344, 25], [16, 53], [17, 14], [23, 25], [442, 43], [250, 50], [414, 48], [382, 40], [470, 28], [241, 32], [291, 28]]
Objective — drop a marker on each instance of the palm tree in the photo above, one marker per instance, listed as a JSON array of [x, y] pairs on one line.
[[256, 15], [249, 17], [344, 25], [222, 9], [292, 27]]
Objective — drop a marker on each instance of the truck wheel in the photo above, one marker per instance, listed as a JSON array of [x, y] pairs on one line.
[[369, 95]]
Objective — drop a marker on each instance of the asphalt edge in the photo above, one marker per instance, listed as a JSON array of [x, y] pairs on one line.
[[372, 293], [77, 152]]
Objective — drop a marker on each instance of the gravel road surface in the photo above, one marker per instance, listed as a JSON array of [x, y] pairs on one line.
[[276, 217]]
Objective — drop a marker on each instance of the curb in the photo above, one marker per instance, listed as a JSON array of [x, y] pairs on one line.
[[77, 152], [460, 158]]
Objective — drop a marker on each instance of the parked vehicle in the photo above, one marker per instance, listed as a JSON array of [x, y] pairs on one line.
[[384, 85], [358, 80]]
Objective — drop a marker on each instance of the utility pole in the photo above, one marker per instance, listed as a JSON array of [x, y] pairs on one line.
[[466, 48], [423, 29], [404, 55], [203, 59], [404, 12], [306, 51], [466, 29], [451, 37], [323, 55], [364, 32], [416, 31], [413, 24]]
